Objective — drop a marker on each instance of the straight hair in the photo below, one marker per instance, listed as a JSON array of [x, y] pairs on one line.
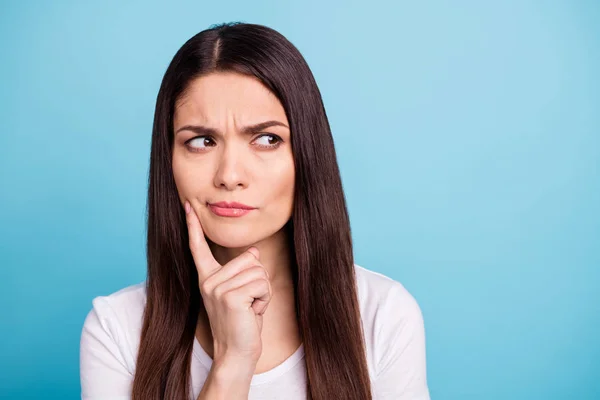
[[323, 271]]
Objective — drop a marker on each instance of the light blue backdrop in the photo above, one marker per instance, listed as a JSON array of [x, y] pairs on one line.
[[468, 138]]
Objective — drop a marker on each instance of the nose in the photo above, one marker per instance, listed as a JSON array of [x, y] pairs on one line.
[[231, 173]]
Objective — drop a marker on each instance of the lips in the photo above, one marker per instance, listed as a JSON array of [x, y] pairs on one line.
[[230, 209], [233, 204]]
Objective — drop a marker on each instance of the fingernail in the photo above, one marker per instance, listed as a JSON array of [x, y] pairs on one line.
[[187, 207]]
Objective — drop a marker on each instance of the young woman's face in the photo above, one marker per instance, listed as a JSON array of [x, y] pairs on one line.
[[232, 144]]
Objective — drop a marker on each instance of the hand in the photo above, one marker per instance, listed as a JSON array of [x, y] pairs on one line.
[[235, 296]]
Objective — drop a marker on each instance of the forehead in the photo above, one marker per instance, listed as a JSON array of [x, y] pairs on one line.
[[224, 95]]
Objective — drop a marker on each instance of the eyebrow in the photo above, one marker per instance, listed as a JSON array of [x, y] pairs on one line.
[[203, 130]]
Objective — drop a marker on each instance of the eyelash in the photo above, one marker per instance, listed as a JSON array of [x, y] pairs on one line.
[[197, 150]]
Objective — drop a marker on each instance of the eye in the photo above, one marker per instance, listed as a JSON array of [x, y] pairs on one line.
[[268, 141], [201, 143]]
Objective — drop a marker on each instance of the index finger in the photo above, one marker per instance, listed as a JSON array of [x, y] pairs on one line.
[[203, 257]]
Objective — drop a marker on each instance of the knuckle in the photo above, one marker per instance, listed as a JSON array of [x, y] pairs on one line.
[[230, 300], [261, 284], [217, 293], [259, 272], [265, 284], [206, 287]]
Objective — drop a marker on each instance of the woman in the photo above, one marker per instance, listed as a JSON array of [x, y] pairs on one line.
[[252, 292]]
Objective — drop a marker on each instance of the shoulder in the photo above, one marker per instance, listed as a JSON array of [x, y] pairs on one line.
[[390, 314], [117, 317], [376, 290], [128, 299]]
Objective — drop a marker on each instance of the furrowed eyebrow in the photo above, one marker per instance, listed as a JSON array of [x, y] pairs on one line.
[[203, 130], [261, 126], [200, 130]]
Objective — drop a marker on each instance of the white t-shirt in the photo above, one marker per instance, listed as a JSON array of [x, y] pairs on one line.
[[392, 323]]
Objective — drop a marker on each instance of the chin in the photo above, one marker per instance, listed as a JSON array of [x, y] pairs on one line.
[[234, 236]]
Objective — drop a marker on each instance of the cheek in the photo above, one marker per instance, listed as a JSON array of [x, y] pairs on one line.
[[190, 179], [283, 190]]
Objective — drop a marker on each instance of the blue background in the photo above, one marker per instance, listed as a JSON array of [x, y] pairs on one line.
[[468, 135]]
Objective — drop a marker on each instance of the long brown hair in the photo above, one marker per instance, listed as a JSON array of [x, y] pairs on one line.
[[323, 267]]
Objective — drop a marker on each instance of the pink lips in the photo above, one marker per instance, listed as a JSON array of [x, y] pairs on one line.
[[233, 209]]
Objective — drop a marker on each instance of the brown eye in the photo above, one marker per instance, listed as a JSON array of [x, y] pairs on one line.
[[199, 143], [268, 141]]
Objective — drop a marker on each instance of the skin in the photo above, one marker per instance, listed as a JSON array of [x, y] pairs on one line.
[[254, 168]]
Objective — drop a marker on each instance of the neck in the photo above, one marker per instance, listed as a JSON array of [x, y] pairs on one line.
[[275, 256]]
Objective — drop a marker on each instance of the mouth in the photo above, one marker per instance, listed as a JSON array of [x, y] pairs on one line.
[[230, 209]]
